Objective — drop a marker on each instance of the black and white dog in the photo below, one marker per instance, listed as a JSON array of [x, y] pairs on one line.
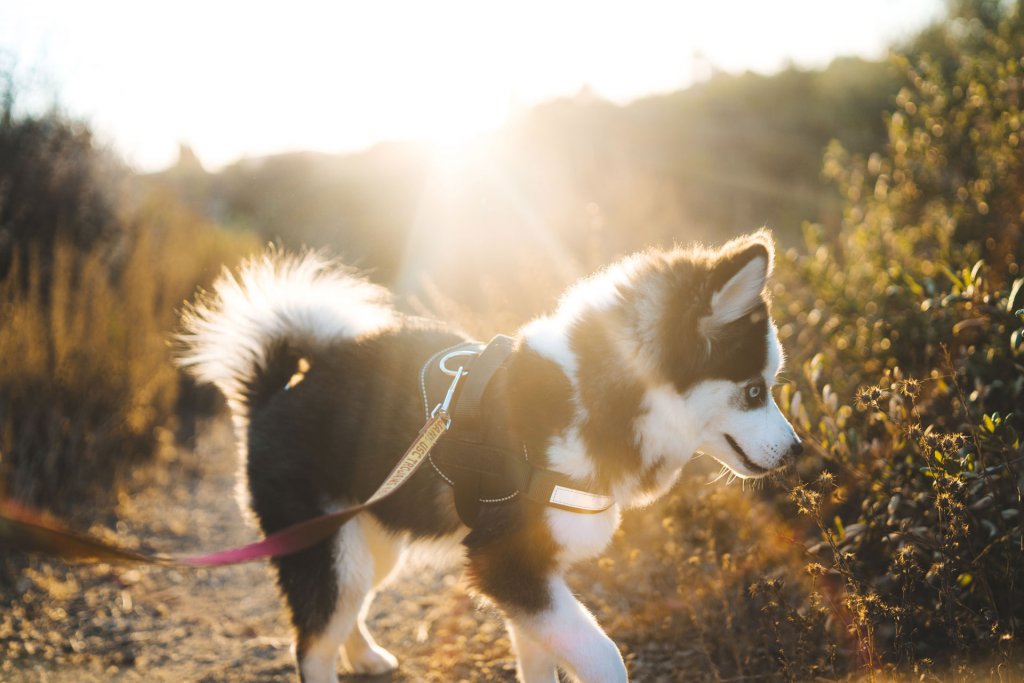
[[659, 356]]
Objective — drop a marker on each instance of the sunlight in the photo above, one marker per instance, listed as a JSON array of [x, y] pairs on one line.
[[341, 76]]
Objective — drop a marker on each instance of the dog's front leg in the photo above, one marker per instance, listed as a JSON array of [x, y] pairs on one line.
[[567, 633], [534, 664]]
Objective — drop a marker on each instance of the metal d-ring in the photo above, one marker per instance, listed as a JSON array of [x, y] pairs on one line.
[[455, 354]]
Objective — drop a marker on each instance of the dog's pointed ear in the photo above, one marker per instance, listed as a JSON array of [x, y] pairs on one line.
[[738, 278]]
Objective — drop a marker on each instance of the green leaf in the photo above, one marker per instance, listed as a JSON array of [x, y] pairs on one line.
[[951, 275], [917, 289], [839, 527], [964, 579], [989, 424]]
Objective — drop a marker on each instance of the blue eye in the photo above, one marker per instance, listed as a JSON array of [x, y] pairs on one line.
[[755, 393]]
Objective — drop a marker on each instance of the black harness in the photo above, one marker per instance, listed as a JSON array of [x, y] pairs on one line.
[[481, 457]]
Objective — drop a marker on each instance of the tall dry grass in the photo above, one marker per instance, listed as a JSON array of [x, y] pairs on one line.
[[87, 386]]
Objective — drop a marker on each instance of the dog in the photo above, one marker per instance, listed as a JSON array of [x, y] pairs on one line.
[[659, 356]]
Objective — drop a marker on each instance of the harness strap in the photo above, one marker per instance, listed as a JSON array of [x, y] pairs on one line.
[[470, 430], [479, 458], [467, 416], [546, 487]]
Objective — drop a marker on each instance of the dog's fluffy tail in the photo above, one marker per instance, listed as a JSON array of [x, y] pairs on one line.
[[234, 335]]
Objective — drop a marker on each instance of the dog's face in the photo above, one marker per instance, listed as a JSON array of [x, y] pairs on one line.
[[743, 427], [721, 353]]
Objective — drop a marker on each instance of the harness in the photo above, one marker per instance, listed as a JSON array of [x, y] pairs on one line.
[[480, 456]]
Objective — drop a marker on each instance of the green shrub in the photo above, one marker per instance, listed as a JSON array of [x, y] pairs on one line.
[[912, 395]]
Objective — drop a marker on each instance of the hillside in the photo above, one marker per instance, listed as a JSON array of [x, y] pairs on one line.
[[574, 181]]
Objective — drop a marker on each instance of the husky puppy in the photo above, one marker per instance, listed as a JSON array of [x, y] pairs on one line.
[[659, 356]]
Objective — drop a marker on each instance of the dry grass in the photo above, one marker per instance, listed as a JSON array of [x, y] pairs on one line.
[[86, 378]]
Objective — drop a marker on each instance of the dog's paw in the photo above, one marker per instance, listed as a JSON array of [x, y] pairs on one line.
[[372, 661]]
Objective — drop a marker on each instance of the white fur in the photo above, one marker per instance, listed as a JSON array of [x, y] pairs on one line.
[[276, 297], [354, 568], [444, 552], [764, 434], [603, 289], [581, 536], [776, 355], [568, 633], [667, 425], [367, 556], [568, 455], [534, 664], [549, 336]]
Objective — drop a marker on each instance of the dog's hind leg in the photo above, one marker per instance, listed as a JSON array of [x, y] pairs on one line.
[[329, 592], [325, 588], [364, 655]]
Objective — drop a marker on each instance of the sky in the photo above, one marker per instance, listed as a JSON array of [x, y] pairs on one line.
[[236, 79]]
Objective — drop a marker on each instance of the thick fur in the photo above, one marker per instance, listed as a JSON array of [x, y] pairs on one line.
[[643, 364]]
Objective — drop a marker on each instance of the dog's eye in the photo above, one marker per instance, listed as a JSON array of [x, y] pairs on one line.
[[755, 393]]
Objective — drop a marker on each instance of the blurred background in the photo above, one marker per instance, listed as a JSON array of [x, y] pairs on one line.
[[477, 157]]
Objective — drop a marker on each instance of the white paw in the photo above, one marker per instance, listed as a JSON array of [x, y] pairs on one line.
[[373, 661]]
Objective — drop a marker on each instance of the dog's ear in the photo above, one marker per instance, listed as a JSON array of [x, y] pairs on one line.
[[738, 278]]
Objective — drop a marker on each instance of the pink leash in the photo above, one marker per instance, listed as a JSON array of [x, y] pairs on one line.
[[31, 531]]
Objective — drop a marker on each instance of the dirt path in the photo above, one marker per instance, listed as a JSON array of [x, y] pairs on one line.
[[101, 623]]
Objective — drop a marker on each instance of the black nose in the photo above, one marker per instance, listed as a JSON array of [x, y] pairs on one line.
[[796, 449]]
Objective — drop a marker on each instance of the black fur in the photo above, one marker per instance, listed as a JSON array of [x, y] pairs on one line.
[[740, 348]]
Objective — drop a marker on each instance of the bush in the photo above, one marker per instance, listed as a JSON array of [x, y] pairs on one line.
[[911, 395], [89, 284]]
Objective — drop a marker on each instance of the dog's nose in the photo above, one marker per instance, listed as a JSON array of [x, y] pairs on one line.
[[796, 449]]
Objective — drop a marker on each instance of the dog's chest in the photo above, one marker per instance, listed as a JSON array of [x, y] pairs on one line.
[[581, 536]]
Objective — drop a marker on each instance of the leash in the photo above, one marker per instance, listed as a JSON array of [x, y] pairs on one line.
[[27, 530]]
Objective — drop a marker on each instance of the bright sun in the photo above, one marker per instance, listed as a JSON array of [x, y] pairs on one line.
[[257, 78]]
